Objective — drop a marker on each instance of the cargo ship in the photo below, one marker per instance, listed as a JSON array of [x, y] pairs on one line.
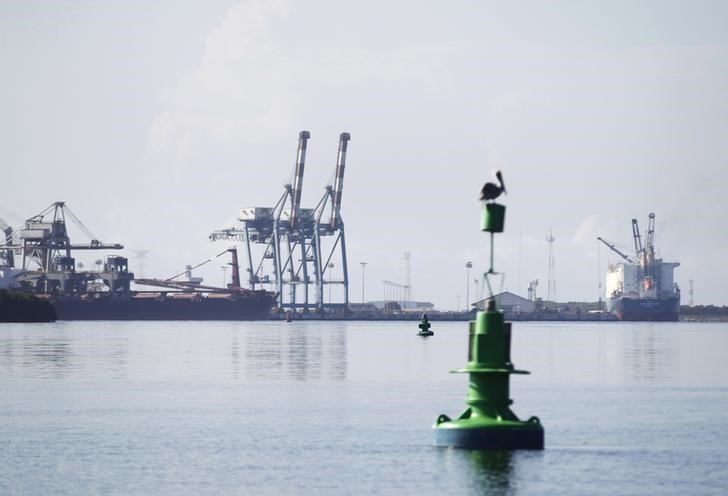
[[196, 305], [48, 270], [642, 286]]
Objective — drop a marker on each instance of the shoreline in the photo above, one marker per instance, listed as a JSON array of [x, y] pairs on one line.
[[464, 317]]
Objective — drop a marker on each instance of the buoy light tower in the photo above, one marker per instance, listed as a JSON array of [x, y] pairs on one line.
[[488, 422]]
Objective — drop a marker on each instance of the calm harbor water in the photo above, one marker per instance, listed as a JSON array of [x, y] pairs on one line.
[[347, 408]]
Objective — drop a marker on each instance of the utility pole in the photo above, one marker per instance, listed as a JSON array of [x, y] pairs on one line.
[[363, 266], [330, 268], [407, 278], [468, 266]]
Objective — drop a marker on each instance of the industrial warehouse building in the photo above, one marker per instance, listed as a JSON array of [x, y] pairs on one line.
[[510, 304]]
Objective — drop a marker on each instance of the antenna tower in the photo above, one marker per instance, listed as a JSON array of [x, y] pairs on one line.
[[551, 288], [599, 274], [690, 293], [141, 255], [407, 279]]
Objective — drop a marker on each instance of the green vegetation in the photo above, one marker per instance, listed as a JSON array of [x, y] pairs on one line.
[[704, 310], [24, 307]]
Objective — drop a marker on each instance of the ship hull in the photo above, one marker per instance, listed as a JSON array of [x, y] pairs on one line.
[[647, 309], [256, 307]]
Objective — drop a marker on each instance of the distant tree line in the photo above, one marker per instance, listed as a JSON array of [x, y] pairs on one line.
[[16, 306], [704, 310]]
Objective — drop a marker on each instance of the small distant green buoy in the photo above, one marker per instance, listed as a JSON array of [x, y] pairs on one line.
[[425, 327], [488, 422]]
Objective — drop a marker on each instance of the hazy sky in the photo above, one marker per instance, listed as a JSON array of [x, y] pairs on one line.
[[157, 121]]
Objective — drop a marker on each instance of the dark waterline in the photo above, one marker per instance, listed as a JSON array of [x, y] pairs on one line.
[[347, 407]]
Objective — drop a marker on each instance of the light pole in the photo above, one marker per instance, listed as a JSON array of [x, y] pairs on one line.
[[363, 266], [468, 265], [331, 266], [458, 305]]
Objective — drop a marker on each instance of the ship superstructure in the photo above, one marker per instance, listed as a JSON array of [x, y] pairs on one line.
[[642, 286]]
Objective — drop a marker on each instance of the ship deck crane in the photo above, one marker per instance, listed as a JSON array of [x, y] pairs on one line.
[[637, 237], [649, 252], [172, 283], [616, 250], [650, 238]]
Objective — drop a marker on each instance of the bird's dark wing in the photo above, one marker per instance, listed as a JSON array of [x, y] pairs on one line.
[[482, 191]]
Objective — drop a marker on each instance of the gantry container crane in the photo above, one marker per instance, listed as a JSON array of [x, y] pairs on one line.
[[293, 237]]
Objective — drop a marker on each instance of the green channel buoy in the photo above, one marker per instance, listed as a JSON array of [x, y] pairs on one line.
[[488, 422], [425, 327]]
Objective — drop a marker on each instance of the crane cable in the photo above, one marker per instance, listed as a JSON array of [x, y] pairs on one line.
[[196, 266], [80, 224]]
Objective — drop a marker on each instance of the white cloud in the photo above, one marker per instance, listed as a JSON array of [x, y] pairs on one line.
[[255, 80], [587, 231], [238, 92], [510, 104], [243, 31]]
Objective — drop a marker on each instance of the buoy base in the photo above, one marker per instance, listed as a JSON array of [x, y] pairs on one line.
[[488, 433]]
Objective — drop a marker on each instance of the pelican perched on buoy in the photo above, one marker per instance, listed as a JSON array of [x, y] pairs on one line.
[[491, 191]]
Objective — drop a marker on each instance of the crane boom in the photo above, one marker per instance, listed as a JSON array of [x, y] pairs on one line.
[[339, 181], [637, 237], [650, 238], [186, 286], [616, 250], [230, 234], [303, 138]]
